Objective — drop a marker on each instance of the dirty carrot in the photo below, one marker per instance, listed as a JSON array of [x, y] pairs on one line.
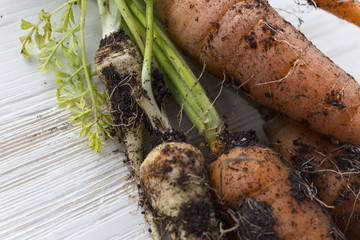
[[173, 179], [118, 63], [264, 197], [324, 228], [348, 10], [332, 168], [158, 167], [265, 57], [118, 66], [295, 194]]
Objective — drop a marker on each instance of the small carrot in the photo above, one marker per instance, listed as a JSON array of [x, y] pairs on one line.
[[348, 10], [264, 56], [119, 70], [174, 182], [266, 198], [334, 170]]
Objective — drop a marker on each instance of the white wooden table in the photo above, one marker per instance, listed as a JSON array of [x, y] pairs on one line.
[[52, 186]]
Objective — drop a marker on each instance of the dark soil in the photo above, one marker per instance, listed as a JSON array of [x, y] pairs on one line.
[[113, 43], [349, 159], [345, 195], [298, 186], [310, 2], [239, 139], [193, 218], [272, 31], [160, 90], [334, 98], [122, 102], [113, 38], [251, 40], [255, 221], [120, 84], [174, 136]]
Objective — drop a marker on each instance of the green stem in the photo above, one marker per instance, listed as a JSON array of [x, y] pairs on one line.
[[61, 101], [200, 107], [126, 14], [146, 73], [75, 73], [146, 100], [189, 110], [138, 9], [176, 80], [52, 54], [157, 119], [83, 55], [179, 89], [62, 6]]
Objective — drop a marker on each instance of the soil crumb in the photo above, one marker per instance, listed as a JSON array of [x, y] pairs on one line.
[[254, 220]]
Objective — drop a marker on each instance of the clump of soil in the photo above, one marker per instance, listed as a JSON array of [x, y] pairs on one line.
[[298, 186], [160, 90], [118, 63], [123, 105], [239, 139], [174, 136], [254, 220], [349, 159], [194, 216], [335, 99]]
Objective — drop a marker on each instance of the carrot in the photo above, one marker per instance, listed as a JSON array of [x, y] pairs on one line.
[[332, 169], [119, 70], [184, 160], [174, 184], [348, 10], [264, 56], [266, 198], [175, 180], [324, 227]]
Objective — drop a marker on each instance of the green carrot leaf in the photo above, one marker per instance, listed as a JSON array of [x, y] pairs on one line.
[[25, 24], [77, 91]]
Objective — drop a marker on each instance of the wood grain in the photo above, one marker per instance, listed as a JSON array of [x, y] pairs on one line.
[[52, 186]]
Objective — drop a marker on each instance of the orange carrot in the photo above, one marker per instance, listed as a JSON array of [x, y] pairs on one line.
[[264, 56], [333, 170], [348, 10], [266, 198]]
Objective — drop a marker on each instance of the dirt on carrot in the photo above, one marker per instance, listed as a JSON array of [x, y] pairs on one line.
[[254, 179], [258, 213], [173, 136], [265, 57], [175, 182], [119, 82], [331, 168], [348, 10]]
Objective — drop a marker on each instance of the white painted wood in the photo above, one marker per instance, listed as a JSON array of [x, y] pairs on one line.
[[52, 186]]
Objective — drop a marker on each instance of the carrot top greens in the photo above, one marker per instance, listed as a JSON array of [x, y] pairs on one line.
[[77, 90]]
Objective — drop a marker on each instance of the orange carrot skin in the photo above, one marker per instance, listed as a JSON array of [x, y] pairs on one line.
[[298, 144], [264, 56], [348, 10], [263, 176]]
